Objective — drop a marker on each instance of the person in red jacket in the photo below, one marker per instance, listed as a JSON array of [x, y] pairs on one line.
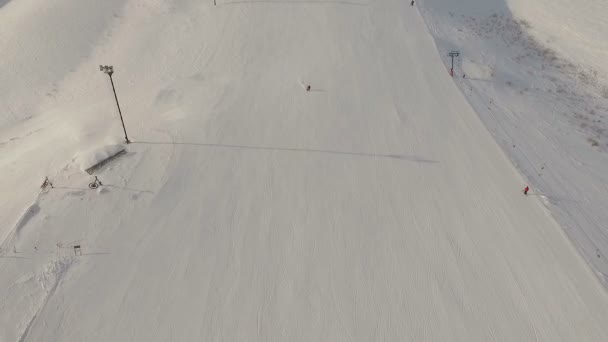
[[526, 189]]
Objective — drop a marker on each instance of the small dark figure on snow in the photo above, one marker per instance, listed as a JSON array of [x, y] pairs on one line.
[[308, 88], [412, 2], [526, 189]]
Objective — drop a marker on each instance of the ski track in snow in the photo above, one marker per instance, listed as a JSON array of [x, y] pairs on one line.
[[49, 280]]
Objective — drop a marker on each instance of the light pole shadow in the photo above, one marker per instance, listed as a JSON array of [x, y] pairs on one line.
[[411, 158]]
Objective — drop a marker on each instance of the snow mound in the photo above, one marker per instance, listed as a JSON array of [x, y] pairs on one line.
[[476, 70], [89, 158]]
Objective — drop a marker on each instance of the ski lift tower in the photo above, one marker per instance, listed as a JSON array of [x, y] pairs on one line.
[[453, 54]]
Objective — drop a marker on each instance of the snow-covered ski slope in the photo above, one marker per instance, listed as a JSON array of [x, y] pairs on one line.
[[375, 207], [576, 29], [544, 104]]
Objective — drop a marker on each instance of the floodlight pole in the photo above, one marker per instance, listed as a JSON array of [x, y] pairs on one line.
[[109, 70], [453, 54]]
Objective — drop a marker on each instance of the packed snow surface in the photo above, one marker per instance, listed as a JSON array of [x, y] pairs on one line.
[[376, 206], [576, 29], [547, 108]]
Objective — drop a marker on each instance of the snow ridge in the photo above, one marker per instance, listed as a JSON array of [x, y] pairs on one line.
[[50, 278]]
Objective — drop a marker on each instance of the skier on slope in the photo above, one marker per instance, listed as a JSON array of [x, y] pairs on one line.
[[412, 3], [526, 189], [308, 87]]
